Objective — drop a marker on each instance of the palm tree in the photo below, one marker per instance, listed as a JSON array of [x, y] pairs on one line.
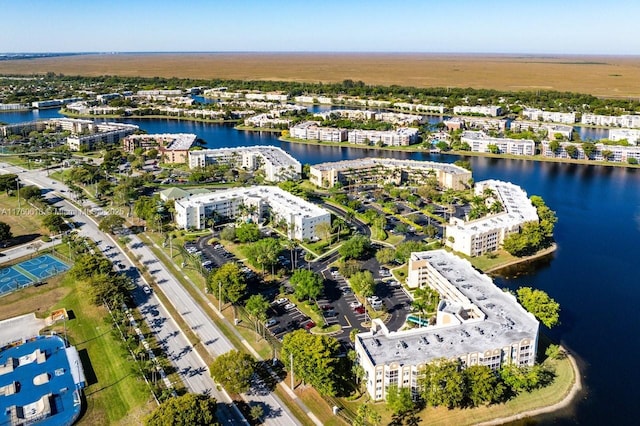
[[291, 246]]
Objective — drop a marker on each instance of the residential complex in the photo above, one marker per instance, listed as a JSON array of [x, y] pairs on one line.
[[53, 103], [481, 142], [14, 107], [397, 118], [404, 136], [173, 147], [476, 323], [310, 130], [553, 130], [630, 135], [553, 116], [615, 153], [479, 123], [486, 234], [259, 202], [436, 109], [85, 134], [488, 110], [629, 121], [276, 164], [372, 170]]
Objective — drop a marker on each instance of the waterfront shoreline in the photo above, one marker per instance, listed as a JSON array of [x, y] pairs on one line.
[[540, 254], [565, 402]]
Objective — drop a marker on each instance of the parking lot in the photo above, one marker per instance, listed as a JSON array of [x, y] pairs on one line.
[[284, 318]]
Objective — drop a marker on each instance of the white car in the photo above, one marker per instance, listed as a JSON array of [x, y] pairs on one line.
[[289, 306], [146, 289], [373, 299], [355, 304]]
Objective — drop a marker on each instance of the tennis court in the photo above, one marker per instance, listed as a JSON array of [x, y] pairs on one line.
[[28, 272]]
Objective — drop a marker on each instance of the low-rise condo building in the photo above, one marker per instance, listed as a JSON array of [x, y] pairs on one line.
[[553, 130], [372, 170], [481, 142], [477, 123], [403, 136], [259, 202], [552, 116], [630, 135], [107, 133], [310, 130], [628, 121], [487, 234], [173, 147], [476, 324], [406, 106], [488, 110], [276, 164], [614, 153], [14, 107]]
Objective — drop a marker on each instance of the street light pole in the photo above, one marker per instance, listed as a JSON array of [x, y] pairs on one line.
[[292, 380]]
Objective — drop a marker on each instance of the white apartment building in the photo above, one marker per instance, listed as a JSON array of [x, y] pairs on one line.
[[267, 96], [403, 136], [487, 234], [406, 106], [480, 142], [266, 121], [552, 116], [106, 97], [488, 110], [53, 103], [173, 147], [619, 153], [158, 92], [109, 133], [14, 107], [536, 126], [300, 216], [371, 170], [477, 324], [310, 130], [630, 135], [276, 164], [628, 121]]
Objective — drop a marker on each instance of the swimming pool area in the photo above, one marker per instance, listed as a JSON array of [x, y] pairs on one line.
[[29, 272], [40, 382]]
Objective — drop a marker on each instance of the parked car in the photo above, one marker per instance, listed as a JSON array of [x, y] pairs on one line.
[[146, 289], [309, 325], [289, 306], [281, 301], [360, 309], [355, 304], [346, 290], [270, 322]]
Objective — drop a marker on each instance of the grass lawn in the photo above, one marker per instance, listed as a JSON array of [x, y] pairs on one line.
[[319, 406], [114, 392], [24, 220], [527, 401]]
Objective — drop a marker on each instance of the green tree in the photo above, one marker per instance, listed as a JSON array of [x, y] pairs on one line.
[[588, 148], [256, 412], [405, 248], [233, 370], [483, 386], [230, 279], [525, 378], [632, 160], [555, 352], [540, 305], [248, 233], [349, 267], [572, 151], [315, 359], [323, 230], [307, 284], [431, 231], [555, 146], [355, 247], [110, 223], [465, 164], [399, 400], [8, 182], [5, 231], [385, 255], [494, 149], [363, 283], [263, 253], [443, 384], [187, 410], [228, 233], [31, 193], [607, 154], [257, 306], [53, 222]]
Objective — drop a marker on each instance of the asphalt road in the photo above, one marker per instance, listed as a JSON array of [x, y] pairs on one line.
[[191, 368]]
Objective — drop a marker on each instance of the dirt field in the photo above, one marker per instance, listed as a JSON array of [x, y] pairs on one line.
[[601, 76]]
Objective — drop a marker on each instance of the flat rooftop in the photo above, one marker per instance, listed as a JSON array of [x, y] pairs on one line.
[[39, 382], [506, 321], [390, 162]]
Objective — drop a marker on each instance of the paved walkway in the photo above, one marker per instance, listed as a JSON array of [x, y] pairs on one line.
[[21, 327]]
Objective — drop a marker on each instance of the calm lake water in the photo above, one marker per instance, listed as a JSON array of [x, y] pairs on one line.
[[591, 275]]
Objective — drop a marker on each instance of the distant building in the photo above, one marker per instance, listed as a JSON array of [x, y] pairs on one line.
[[310, 130], [552, 129], [488, 110], [107, 133], [478, 123], [14, 107], [106, 97], [403, 136], [301, 217], [372, 170], [476, 237], [630, 135], [174, 147], [276, 164], [53, 103], [552, 116], [476, 324], [481, 142], [619, 153], [628, 121], [406, 106], [159, 92]]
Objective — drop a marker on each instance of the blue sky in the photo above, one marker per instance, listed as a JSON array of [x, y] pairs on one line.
[[465, 26]]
